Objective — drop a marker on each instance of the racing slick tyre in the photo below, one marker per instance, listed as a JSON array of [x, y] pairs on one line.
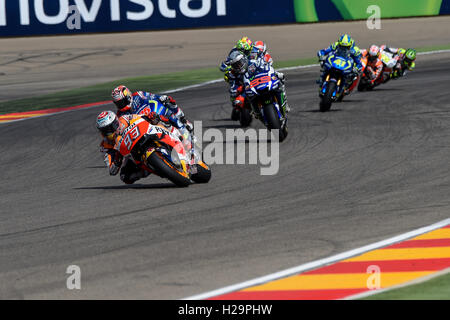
[[273, 122], [245, 118], [364, 86], [203, 174], [167, 170], [327, 100], [235, 114]]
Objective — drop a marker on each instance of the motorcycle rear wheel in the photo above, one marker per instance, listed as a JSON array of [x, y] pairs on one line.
[[245, 118], [235, 114]]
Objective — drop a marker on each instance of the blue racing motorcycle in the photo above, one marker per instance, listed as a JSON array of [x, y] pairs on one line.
[[338, 68], [263, 91]]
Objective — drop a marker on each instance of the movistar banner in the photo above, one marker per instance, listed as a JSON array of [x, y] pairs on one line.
[[33, 17], [36, 17]]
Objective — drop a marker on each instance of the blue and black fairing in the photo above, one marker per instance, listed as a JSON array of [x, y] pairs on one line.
[[266, 89], [338, 67]]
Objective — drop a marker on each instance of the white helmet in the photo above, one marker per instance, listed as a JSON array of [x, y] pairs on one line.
[[374, 52], [107, 123]]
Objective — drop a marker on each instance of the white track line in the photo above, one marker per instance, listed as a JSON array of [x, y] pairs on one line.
[[221, 79], [199, 85], [319, 263], [432, 52]]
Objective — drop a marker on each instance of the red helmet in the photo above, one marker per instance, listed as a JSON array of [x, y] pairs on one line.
[[261, 46], [121, 97]]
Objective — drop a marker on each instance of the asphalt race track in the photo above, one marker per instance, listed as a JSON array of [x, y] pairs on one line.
[[376, 166], [35, 66]]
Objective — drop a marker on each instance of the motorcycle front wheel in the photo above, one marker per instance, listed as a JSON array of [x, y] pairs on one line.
[[167, 170], [327, 99], [273, 121]]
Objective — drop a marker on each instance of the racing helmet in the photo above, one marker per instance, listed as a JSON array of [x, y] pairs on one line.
[[107, 123], [245, 45], [238, 62], [261, 47], [122, 97], [410, 55], [374, 52], [346, 41]]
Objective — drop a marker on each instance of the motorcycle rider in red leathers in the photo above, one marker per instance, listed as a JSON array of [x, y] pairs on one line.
[[374, 66], [111, 127]]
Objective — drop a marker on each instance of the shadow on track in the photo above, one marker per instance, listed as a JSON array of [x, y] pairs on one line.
[[223, 126], [318, 111], [223, 119], [131, 186]]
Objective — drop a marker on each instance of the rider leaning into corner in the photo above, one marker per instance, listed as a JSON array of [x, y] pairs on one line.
[[404, 61], [374, 66], [235, 67], [110, 127], [346, 43], [128, 106], [137, 103]]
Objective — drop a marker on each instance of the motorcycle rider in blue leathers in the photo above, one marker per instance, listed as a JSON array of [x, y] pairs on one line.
[[134, 103], [347, 43], [239, 66], [128, 103], [234, 75]]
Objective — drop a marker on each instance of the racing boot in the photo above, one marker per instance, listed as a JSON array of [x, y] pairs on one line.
[[130, 172]]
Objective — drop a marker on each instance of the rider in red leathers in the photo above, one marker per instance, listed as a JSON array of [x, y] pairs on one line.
[[374, 66], [111, 127]]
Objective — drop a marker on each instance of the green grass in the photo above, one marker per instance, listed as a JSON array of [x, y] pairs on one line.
[[102, 92], [154, 83], [435, 289], [433, 48]]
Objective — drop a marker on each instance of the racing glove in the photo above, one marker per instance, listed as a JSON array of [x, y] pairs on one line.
[[153, 118], [113, 164], [280, 76], [164, 99], [189, 126], [225, 66]]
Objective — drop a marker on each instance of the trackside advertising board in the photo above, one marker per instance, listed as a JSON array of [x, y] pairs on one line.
[[34, 17], [41, 17]]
